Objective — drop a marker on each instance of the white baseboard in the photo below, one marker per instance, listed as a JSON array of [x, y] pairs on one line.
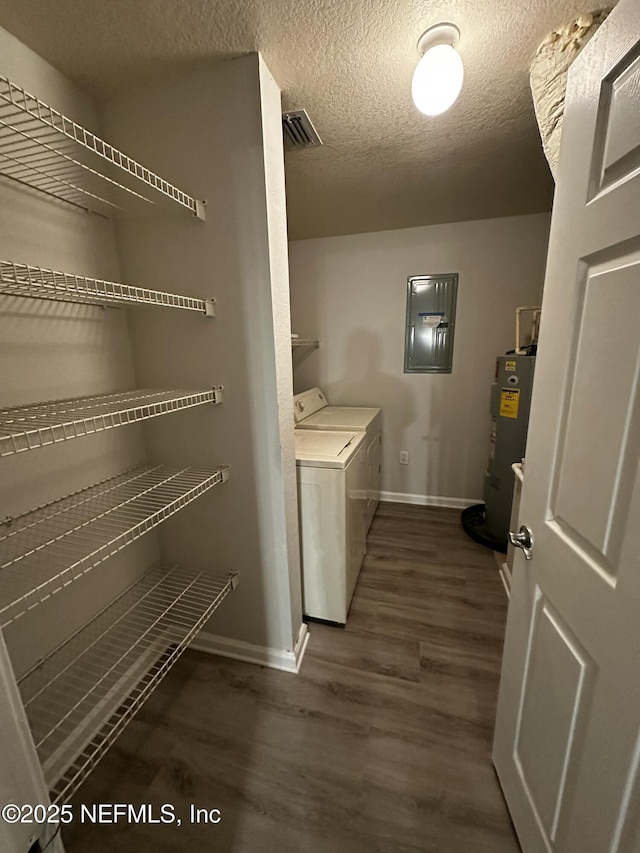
[[428, 500], [260, 655]]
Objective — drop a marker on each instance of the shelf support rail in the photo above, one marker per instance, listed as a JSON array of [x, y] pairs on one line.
[[48, 548], [16, 102], [40, 283], [81, 696], [29, 427]]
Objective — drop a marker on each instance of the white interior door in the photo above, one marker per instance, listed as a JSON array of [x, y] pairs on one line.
[[567, 741]]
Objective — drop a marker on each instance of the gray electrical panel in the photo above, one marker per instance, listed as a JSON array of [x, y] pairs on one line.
[[510, 406], [430, 324]]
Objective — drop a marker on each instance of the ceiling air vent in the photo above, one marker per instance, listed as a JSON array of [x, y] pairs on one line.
[[299, 132]]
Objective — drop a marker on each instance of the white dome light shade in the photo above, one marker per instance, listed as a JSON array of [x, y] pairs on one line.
[[437, 80]]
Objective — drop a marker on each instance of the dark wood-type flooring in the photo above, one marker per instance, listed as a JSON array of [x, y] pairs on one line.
[[380, 745]]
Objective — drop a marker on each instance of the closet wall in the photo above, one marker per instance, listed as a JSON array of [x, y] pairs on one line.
[[52, 350], [219, 130], [217, 134]]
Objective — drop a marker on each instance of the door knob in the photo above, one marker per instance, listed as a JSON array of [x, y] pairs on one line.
[[523, 539]]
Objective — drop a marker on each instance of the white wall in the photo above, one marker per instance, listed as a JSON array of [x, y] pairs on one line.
[[53, 350], [213, 133], [218, 131], [286, 493], [351, 293]]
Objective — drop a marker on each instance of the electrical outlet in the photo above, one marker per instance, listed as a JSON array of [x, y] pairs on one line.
[[404, 457]]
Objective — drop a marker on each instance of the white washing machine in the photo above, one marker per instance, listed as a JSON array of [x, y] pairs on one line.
[[311, 411], [331, 471]]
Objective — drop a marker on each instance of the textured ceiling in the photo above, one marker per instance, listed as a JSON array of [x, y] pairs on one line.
[[349, 63]]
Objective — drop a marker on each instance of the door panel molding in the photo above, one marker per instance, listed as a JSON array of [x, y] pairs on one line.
[[596, 442], [545, 771], [616, 156], [627, 834]]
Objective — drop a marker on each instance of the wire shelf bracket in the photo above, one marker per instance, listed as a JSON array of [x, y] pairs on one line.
[[28, 427], [301, 348], [40, 283], [80, 697], [44, 550], [49, 152]]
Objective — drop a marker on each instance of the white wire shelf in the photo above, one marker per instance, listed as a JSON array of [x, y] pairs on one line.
[[81, 696], [48, 548], [40, 283], [45, 150], [38, 425]]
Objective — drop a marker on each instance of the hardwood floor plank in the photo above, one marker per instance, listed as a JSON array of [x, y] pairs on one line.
[[381, 744], [367, 651]]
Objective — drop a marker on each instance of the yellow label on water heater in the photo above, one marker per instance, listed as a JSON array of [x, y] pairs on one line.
[[510, 365], [509, 402]]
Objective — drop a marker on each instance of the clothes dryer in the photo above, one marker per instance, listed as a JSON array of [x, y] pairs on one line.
[[312, 411], [331, 471]]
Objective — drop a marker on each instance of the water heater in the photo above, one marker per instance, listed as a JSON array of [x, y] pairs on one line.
[[510, 404]]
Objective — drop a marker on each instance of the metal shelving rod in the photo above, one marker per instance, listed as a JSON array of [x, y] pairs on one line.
[[299, 342], [82, 695], [40, 283], [37, 425], [42, 148], [44, 550]]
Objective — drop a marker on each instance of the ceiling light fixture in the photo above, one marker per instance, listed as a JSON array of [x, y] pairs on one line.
[[437, 80]]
